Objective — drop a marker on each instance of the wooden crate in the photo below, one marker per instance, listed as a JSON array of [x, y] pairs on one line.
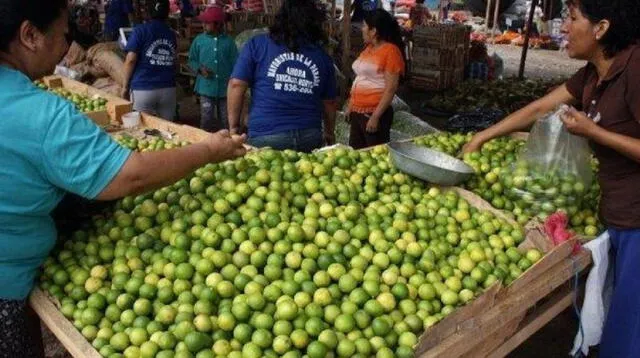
[[444, 59], [116, 106], [434, 79], [491, 325], [441, 36], [181, 132]]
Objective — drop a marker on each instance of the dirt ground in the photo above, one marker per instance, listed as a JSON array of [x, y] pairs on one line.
[[554, 340]]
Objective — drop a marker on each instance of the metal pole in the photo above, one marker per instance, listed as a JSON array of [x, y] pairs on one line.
[[486, 16], [496, 13], [527, 35], [346, 36]]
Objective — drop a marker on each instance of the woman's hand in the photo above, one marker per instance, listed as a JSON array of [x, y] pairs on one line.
[[224, 146], [372, 124], [579, 124], [474, 145]]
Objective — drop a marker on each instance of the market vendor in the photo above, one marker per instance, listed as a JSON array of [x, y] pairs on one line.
[[292, 82], [48, 148], [604, 33]]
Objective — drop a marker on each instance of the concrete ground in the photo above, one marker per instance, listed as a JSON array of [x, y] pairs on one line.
[[554, 340]]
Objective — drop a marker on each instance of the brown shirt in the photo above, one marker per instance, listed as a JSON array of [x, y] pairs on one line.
[[617, 100]]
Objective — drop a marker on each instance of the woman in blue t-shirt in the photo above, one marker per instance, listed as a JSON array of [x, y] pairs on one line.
[[292, 81], [150, 66], [48, 148]]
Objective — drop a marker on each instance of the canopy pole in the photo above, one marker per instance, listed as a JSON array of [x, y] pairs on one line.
[[486, 16], [496, 13], [527, 35], [346, 36]]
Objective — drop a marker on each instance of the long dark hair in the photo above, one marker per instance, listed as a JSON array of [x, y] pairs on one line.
[[387, 28], [299, 22], [41, 13]]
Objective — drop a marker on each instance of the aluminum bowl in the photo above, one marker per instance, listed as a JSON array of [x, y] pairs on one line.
[[429, 165]]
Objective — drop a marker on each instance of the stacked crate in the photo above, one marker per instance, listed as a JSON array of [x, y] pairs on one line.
[[440, 54]]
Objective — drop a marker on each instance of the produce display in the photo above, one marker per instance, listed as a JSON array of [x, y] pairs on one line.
[[147, 143], [82, 103], [281, 254], [508, 95], [497, 183]]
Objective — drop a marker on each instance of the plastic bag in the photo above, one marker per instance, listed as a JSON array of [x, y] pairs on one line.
[[553, 173], [399, 105]]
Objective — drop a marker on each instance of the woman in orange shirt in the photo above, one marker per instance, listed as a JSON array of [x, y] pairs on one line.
[[378, 70]]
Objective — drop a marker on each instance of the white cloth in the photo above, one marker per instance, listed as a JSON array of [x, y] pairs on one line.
[[597, 296]]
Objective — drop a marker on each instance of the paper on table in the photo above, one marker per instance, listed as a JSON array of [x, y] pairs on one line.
[[597, 296]]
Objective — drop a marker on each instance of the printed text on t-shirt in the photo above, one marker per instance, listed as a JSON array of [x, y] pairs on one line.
[[161, 53], [294, 79]]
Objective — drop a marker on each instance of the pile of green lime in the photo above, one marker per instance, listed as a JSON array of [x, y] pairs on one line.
[[527, 195], [83, 103], [281, 254], [147, 144]]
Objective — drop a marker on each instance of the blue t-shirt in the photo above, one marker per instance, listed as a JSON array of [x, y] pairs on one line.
[[155, 44], [47, 148], [287, 89], [117, 15]]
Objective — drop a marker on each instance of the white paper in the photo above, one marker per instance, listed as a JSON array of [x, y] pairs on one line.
[[597, 296]]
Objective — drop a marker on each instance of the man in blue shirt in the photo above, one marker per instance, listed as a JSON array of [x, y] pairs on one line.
[[211, 57], [292, 81], [119, 14]]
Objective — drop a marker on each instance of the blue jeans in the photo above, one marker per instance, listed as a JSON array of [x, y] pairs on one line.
[[621, 335], [213, 114], [300, 140]]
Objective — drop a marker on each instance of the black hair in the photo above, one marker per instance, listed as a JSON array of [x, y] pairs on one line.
[[158, 9], [40, 13], [299, 22], [623, 15], [387, 28]]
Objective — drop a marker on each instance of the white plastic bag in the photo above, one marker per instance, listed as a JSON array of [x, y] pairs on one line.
[[597, 296]]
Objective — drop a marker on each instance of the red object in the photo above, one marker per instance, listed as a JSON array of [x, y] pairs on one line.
[[556, 227], [211, 15]]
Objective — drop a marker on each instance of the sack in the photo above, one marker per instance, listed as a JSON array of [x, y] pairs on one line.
[[246, 35], [553, 173], [103, 46], [112, 64], [82, 69], [75, 55], [108, 85]]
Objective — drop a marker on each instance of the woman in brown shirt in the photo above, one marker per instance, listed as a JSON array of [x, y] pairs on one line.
[[605, 33]]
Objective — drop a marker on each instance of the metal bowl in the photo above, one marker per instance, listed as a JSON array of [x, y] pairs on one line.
[[429, 165]]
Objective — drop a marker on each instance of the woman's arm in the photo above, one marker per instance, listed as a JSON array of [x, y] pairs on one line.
[[391, 81], [579, 124], [235, 99], [521, 119], [129, 67], [330, 108], [147, 171]]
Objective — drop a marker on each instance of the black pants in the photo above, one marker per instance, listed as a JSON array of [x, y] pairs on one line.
[[360, 138], [18, 336]]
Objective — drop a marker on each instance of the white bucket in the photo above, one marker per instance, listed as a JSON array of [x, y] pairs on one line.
[[131, 119]]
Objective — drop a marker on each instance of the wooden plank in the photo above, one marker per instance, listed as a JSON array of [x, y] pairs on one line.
[[62, 328], [495, 339], [543, 315], [503, 312]]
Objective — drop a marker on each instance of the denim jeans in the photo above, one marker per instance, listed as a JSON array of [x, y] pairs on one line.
[[300, 140], [213, 114]]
